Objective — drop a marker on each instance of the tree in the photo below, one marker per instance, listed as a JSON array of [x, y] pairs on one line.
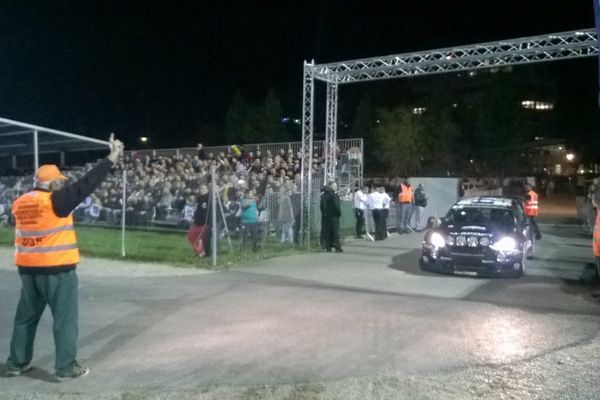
[[495, 127], [250, 123], [363, 127], [440, 135], [238, 127], [397, 135], [270, 126]]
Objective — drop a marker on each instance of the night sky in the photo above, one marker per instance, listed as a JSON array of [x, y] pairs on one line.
[[170, 69]]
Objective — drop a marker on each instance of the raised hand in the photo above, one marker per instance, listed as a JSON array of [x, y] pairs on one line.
[[116, 148]]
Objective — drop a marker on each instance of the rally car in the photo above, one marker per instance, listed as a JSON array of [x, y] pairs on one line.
[[480, 236]]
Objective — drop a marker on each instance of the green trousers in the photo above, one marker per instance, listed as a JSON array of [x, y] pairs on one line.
[[59, 291]]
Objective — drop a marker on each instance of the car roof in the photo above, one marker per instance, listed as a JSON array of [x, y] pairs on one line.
[[486, 201]]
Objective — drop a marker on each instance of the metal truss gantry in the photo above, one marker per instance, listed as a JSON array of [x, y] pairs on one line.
[[528, 50]]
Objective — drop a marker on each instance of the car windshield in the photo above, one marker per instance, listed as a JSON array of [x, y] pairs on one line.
[[503, 218]]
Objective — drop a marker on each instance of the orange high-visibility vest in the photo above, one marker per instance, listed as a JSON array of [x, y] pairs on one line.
[[531, 205], [406, 194], [596, 236], [42, 239]]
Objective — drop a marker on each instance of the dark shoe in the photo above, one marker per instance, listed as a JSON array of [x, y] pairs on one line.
[[78, 371], [595, 294], [16, 371], [339, 250], [538, 236]]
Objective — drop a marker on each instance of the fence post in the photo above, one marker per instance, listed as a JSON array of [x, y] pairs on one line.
[[213, 199]]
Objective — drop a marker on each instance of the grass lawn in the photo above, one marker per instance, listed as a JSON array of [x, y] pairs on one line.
[[165, 247]]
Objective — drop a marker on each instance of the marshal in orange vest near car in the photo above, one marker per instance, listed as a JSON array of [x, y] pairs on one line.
[[531, 210], [531, 204]]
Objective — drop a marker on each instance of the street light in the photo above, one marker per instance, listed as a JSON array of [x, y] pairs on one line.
[[570, 157], [144, 139]]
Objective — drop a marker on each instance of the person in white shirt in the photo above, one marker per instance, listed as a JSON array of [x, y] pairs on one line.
[[360, 203], [377, 202]]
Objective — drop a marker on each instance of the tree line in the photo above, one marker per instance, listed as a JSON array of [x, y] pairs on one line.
[[439, 126]]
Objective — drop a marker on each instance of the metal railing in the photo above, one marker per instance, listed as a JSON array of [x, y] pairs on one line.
[[273, 148]]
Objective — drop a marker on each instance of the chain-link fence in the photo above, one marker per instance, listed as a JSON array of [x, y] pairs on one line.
[[257, 207], [248, 221]]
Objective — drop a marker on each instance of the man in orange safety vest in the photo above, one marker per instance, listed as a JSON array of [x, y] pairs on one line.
[[531, 209], [46, 255]]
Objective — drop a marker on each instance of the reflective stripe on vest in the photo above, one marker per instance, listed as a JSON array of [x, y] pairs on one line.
[[46, 232], [48, 249], [405, 195], [42, 239], [531, 205]]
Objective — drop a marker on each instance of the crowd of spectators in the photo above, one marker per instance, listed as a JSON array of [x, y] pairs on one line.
[[163, 190]]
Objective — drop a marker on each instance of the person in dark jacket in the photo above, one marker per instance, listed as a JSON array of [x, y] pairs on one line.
[[46, 255], [330, 217], [324, 228]]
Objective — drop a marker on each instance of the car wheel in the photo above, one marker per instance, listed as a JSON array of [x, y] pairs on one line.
[[422, 264], [523, 267]]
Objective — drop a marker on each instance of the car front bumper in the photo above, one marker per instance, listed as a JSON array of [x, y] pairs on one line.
[[484, 263]]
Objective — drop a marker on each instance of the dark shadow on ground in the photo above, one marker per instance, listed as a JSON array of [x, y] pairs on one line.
[[34, 373], [409, 262], [509, 291], [545, 219], [569, 232]]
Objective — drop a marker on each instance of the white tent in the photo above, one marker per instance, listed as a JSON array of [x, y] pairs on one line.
[[19, 138]]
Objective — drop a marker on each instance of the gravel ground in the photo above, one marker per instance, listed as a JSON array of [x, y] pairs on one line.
[[569, 373]]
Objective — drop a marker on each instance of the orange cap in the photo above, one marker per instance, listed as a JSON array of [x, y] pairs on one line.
[[48, 172]]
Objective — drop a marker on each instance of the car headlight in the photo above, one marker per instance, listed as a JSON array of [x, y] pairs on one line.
[[472, 241], [484, 241], [437, 240], [505, 244], [450, 241]]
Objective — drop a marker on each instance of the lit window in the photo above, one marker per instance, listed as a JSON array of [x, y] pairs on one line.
[[537, 105]]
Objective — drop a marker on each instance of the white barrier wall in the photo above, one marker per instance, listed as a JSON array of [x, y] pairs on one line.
[[441, 194]]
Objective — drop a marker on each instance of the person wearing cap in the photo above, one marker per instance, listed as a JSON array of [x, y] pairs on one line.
[[46, 255]]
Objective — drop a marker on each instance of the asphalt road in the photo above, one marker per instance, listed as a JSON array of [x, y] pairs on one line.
[[364, 324]]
